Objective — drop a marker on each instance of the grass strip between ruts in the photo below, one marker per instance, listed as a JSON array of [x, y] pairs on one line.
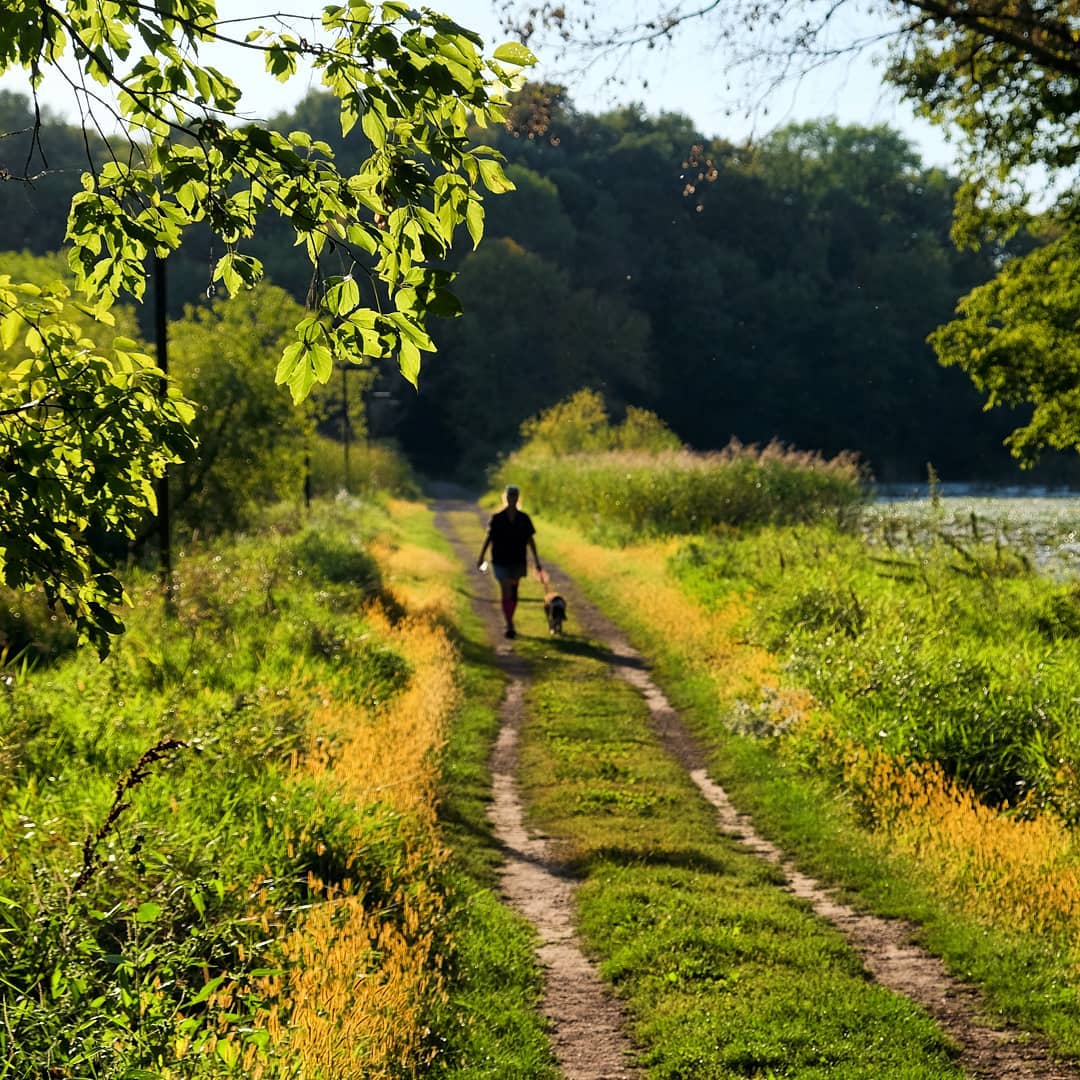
[[725, 973]]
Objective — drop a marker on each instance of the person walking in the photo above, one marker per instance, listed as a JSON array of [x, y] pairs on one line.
[[510, 535]]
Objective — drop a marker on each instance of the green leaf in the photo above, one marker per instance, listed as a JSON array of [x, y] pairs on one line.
[[409, 361], [474, 220], [322, 362], [408, 328], [513, 52], [206, 990], [373, 128], [350, 294], [495, 180], [147, 912], [229, 1052], [350, 113], [290, 359], [11, 328], [34, 341], [303, 379], [444, 304]]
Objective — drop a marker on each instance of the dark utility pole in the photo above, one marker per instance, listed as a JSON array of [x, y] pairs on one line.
[[346, 427], [164, 524]]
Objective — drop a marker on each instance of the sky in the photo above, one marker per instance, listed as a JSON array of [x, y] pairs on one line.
[[686, 77]]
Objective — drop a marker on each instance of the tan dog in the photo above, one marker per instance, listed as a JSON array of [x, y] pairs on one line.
[[554, 604]]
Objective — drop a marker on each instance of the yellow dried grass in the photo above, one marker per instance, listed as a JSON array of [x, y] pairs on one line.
[[1003, 868], [418, 577], [640, 586], [358, 984], [392, 757], [360, 977]]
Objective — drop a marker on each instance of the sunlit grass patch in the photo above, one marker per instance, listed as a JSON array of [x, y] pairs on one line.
[[389, 756], [1005, 869], [361, 978], [417, 566], [634, 581]]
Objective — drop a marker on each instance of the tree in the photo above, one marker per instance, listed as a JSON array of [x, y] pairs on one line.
[[250, 439], [529, 340], [1003, 77], [85, 431], [1017, 339], [533, 216]]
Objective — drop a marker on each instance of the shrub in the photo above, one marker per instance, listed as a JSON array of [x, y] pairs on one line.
[[581, 425], [373, 468]]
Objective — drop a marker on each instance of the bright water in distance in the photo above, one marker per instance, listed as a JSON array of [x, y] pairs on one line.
[[1043, 526]]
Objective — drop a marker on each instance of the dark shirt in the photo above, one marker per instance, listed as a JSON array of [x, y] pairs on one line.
[[510, 537]]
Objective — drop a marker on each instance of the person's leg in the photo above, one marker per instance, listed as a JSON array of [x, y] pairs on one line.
[[509, 590]]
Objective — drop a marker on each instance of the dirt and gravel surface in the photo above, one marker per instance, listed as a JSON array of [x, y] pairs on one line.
[[588, 1029]]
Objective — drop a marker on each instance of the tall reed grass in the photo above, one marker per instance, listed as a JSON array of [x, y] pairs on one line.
[[626, 494]]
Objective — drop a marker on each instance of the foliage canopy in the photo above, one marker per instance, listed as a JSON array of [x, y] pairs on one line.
[[1017, 339], [1002, 77], [85, 431]]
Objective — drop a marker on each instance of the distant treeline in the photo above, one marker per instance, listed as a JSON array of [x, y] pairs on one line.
[[782, 292]]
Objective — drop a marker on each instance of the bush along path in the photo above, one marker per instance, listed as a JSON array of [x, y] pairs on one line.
[[587, 1026], [729, 961]]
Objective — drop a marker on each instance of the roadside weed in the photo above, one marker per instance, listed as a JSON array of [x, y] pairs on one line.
[[282, 859]]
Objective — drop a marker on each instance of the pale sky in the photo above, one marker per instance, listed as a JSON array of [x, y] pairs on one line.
[[687, 77]]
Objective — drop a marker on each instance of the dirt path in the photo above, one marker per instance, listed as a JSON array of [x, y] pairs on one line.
[[587, 1023]]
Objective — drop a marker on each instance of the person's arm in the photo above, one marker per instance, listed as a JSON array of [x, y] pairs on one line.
[[483, 550], [536, 558]]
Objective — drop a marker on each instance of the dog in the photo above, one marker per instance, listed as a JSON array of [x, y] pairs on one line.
[[555, 610]]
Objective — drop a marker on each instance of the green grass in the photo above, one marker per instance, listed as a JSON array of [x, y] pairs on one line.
[[106, 948], [788, 787], [724, 973], [953, 652]]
